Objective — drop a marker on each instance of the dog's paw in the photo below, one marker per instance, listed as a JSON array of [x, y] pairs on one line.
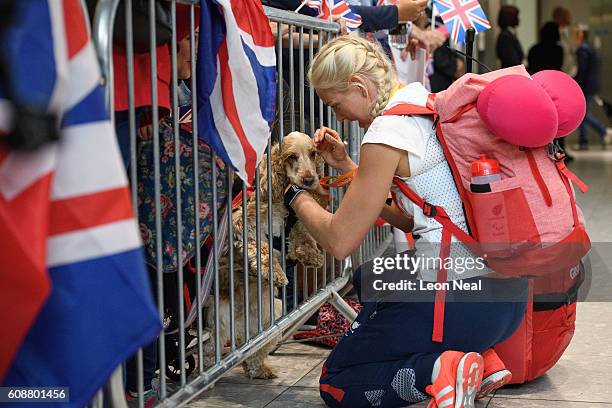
[[263, 372], [253, 266], [309, 255], [280, 279], [317, 260]]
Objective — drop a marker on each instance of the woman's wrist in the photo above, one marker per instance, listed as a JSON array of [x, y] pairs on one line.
[[346, 166], [291, 194]]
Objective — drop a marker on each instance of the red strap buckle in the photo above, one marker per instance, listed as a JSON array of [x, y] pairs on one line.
[[429, 210]]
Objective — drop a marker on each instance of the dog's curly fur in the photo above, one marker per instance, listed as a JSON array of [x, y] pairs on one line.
[[296, 162]]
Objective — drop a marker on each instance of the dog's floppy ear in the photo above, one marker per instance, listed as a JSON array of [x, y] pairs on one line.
[[278, 164], [278, 175]]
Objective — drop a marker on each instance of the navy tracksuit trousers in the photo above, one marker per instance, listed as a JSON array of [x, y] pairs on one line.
[[386, 357]]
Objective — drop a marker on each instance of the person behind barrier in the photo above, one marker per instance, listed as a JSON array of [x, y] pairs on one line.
[[372, 18], [142, 83], [146, 185], [387, 358]]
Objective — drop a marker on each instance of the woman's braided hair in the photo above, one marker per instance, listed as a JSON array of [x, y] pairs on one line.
[[347, 55]]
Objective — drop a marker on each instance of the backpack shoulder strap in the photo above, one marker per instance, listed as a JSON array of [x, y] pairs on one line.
[[413, 109], [408, 109], [434, 211]]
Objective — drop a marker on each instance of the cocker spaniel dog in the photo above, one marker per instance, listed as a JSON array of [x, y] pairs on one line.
[[295, 162]]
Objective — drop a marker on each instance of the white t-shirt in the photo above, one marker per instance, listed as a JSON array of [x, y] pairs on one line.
[[430, 177]]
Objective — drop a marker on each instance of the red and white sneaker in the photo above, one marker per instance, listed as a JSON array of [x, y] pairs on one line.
[[496, 375], [455, 379]]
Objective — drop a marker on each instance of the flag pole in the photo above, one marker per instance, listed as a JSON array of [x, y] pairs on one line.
[[297, 10], [470, 35]]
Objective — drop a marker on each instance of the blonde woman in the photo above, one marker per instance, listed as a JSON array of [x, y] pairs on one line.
[[387, 358]]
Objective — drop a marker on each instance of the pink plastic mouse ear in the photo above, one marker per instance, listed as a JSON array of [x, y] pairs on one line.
[[567, 97], [519, 111]]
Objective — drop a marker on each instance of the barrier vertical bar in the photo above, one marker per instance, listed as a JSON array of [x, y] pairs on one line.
[[295, 286], [321, 123], [312, 126], [177, 181], [310, 88], [305, 283], [230, 257], [301, 77], [196, 185], [245, 262], [258, 244], [215, 248], [291, 80], [102, 36], [281, 132], [156, 170], [332, 173], [321, 114], [270, 232], [129, 51]]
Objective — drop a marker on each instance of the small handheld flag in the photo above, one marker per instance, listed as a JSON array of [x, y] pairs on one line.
[[339, 8], [459, 15]]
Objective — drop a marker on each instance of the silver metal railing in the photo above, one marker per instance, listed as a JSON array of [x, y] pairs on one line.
[[197, 347]]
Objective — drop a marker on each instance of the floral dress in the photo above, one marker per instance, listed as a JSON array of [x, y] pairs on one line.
[[146, 195]]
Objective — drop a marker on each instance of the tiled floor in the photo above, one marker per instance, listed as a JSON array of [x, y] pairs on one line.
[[581, 379]]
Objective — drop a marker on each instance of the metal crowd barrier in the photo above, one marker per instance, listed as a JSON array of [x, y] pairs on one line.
[[186, 375]]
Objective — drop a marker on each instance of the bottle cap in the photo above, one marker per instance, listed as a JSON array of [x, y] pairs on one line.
[[484, 166]]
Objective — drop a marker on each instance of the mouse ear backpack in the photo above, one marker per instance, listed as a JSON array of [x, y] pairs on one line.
[[527, 224]]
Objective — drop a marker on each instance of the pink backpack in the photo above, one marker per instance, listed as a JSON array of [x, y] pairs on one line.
[[543, 231]]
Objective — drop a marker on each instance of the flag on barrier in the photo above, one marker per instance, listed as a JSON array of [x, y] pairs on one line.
[[73, 276], [459, 15], [236, 87]]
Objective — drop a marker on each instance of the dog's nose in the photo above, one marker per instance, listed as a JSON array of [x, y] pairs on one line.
[[308, 180]]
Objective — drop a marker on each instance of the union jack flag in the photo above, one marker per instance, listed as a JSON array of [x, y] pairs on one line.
[[237, 90], [339, 8], [459, 15], [75, 299]]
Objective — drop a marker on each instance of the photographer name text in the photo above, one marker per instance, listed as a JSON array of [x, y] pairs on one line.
[[411, 285]]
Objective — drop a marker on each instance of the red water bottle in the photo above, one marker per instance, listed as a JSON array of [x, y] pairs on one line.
[[484, 172], [489, 209]]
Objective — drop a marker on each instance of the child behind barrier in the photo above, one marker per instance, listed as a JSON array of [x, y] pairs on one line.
[[146, 182]]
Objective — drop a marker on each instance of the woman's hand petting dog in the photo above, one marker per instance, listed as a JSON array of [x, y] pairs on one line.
[[332, 149]]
